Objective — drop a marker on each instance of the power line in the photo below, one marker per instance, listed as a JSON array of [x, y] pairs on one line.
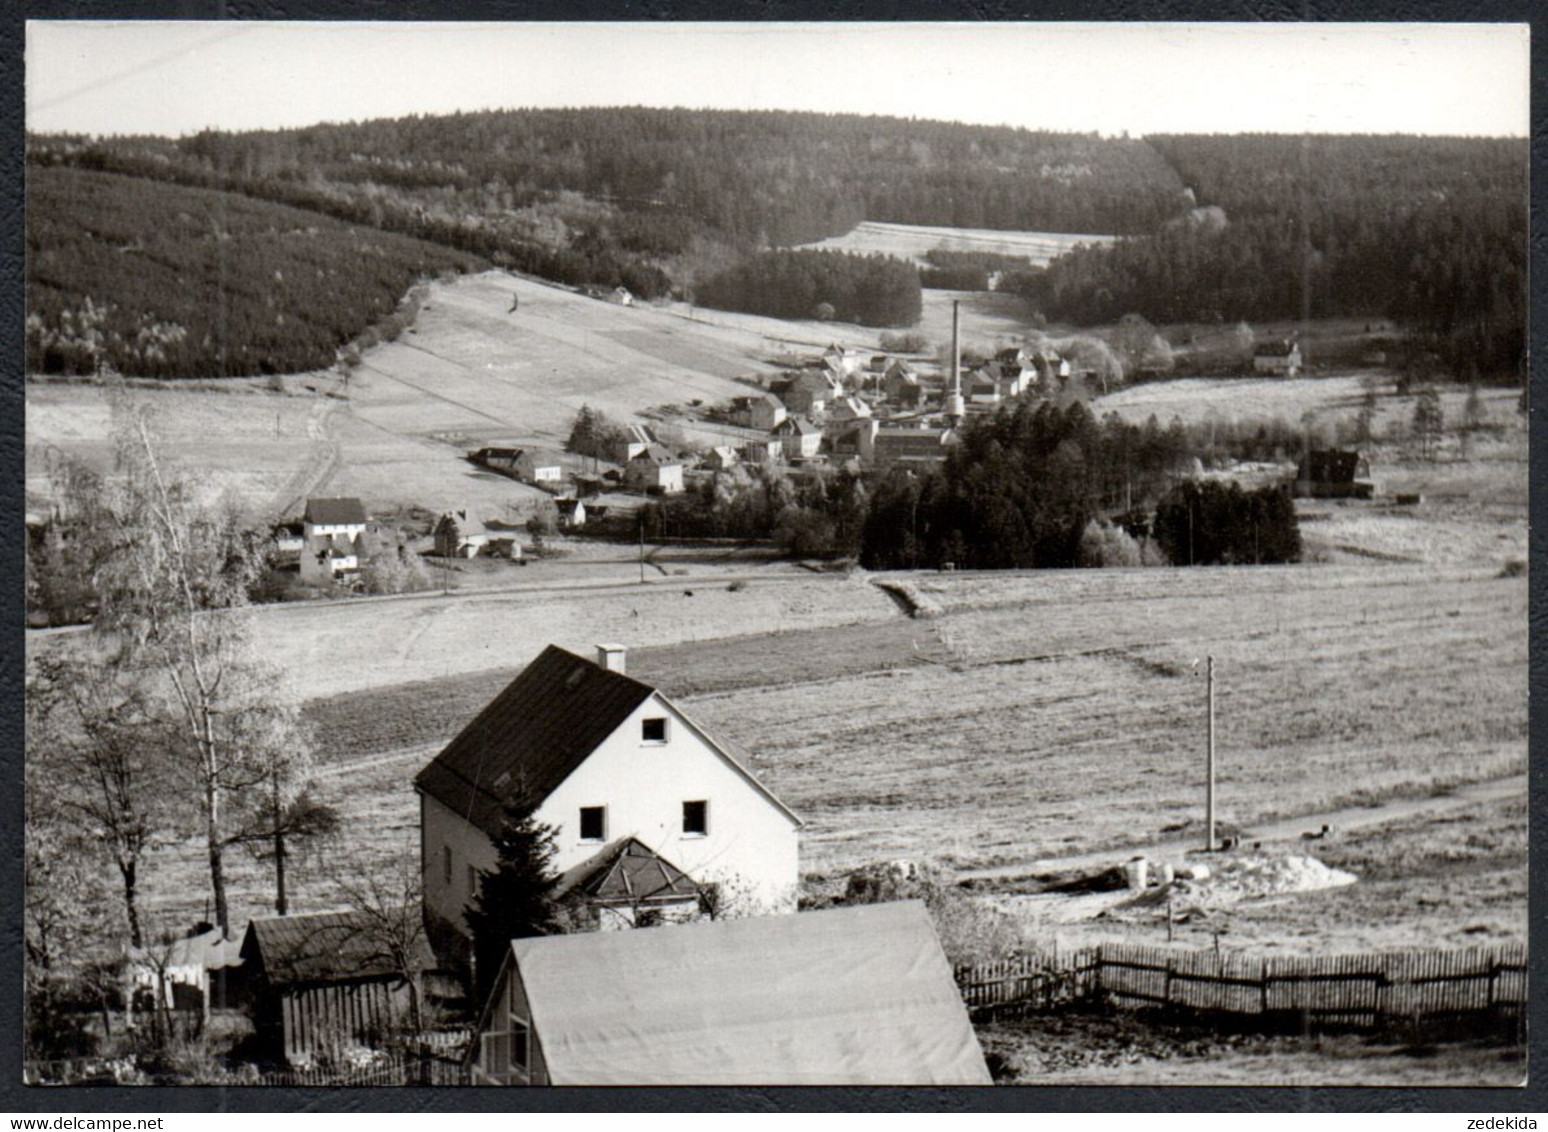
[[140, 68]]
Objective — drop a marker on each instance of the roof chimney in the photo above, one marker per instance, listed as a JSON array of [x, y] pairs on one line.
[[611, 657]]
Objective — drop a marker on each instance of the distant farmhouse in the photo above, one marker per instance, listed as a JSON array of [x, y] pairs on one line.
[[721, 459], [526, 464], [845, 996], [1282, 358], [654, 468], [808, 392], [1333, 473], [609, 758], [801, 438], [331, 535], [900, 386], [760, 412], [572, 514]]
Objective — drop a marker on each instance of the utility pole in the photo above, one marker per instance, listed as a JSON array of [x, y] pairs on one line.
[[642, 548], [1209, 787]]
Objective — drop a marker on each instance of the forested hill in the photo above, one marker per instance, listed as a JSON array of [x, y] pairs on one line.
[[756, 177], [1428, 231]]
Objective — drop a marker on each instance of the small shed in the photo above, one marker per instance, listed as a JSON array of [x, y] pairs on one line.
[[202, 971], [845, 996], [324, 982]]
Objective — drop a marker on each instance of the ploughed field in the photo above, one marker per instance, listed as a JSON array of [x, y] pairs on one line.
[[1019, 716], [913, 241]]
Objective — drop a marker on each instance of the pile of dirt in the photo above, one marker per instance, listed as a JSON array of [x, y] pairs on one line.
[[1232, 880]]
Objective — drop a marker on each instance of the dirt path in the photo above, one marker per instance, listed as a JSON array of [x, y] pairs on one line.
[[1280, 830]]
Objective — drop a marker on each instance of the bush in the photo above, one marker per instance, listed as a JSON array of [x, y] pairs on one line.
[[970, 930], [1102, 544]]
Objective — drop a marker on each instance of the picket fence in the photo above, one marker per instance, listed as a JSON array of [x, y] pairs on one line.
[[1363, 991]]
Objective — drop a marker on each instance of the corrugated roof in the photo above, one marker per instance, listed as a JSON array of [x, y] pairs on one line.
[[627, 871], [319, 947], [332, 511], [846, 996], [538, 730]]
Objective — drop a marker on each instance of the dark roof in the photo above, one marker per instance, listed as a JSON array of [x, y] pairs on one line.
[[1010, 354], [1274, 349], [630, 872], [795, 424], [346, 510], [532, 735], [324, 946]]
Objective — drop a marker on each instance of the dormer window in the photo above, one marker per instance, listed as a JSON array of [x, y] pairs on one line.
[[653, 730]]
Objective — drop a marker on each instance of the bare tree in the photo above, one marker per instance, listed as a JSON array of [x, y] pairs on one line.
[[388, 898], [172, 575]]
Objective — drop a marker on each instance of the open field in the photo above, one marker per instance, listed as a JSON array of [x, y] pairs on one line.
[[1036, 715], [912, 241]]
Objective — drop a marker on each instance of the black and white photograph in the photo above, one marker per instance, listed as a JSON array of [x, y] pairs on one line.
[[753, 554]]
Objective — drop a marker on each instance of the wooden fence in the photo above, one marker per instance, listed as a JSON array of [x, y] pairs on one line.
[[1485, 987], [399, 1069]]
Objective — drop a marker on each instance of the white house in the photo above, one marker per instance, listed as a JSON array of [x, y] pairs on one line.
[[761, 412], [721, 458], [800, 437], [610, 757], [331, 531], [1282, 359], [654, 467], [845, 996]]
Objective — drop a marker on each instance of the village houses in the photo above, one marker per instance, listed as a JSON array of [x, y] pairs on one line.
[[606, 757]]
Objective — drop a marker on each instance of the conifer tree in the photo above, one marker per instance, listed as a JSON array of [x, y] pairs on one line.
[[514, 899]]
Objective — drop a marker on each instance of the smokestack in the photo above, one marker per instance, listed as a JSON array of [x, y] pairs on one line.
[[954, 408], [611, 657]]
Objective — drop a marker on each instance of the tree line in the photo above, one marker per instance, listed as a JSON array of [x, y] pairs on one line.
[[1026, 487], [872, 290]]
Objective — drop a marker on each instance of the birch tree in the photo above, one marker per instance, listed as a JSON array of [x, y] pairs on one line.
[[172, 576]]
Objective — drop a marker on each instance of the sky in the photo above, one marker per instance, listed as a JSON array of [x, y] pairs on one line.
[[176, 78]]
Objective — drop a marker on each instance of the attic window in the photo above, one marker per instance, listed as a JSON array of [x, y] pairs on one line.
[[653, 730], [593, 823]]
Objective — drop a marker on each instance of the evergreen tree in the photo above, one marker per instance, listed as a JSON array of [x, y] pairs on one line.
[[515, 898]]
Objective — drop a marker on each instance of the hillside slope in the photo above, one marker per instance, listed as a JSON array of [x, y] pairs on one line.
[[167, 281]]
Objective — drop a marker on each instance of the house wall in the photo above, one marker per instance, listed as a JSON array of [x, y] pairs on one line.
[[644, 787], [750, 842]]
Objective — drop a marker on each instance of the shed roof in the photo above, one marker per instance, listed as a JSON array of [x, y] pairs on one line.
[[535, 732], [846, 996], [335, 511], [321, 947]]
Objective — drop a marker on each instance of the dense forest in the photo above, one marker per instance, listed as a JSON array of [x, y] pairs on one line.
[[872, 290], [165, 281], [1428, 231], [655, 199]]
